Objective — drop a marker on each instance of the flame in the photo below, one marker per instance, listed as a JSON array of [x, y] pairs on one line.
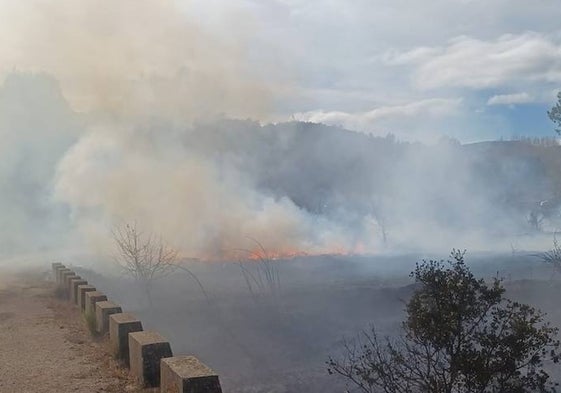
[[281, 254], [260, 254]]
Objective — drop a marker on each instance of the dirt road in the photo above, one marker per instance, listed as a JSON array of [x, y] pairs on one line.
[[45, 346]]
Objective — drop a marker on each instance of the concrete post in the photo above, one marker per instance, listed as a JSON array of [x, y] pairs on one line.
[[56, 271], [64, 275], [186, 374], [67, 280], [120, 325], [56, 265], [146, 349], [81, 295], [91, 299], [74, 289], [102, 312], [59, 275]]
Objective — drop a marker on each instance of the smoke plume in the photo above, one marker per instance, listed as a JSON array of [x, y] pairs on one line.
[[116, 112], [135, 75]]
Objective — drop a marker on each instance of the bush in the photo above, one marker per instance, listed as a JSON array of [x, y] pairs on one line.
[[461, 335]]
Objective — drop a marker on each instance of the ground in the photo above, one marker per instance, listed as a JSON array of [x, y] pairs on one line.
[[45, 345], [264, 344]]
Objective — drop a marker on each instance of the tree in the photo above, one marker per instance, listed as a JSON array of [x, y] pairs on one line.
[[143, 257], [461, 335], [555, 113]]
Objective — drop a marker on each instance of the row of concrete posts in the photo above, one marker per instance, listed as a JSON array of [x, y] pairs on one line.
[[146, 353]]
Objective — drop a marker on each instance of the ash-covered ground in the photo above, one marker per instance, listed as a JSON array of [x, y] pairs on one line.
[[278, 343]]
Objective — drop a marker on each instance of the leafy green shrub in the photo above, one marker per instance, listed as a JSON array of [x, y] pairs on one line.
[[460, 335]]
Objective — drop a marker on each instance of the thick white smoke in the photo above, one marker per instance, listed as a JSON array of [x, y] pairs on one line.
[[115, 112], [130, 65], [204, 207], [131, 59]]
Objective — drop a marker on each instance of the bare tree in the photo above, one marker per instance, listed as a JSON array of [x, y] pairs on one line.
[[143, 256]]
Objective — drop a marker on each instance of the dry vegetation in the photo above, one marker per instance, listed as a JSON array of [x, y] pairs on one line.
[[144, 257]]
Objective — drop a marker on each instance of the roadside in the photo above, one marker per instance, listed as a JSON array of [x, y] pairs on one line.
[[45, 345]]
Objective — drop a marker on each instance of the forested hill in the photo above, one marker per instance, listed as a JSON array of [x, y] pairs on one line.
[[332, 171]]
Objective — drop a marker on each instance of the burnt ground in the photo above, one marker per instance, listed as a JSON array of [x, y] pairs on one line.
[[45, 345], [279, 344]]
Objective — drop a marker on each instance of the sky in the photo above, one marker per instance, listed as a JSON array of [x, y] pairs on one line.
[[469, 69]]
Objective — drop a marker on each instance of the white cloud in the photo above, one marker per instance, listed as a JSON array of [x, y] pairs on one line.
[[384, 115], [510, 99], [477, 64], [419, 54]]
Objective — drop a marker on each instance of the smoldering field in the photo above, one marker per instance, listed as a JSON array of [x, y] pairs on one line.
[[280, 344]]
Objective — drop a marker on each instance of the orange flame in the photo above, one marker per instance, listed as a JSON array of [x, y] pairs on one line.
[[258, 254]]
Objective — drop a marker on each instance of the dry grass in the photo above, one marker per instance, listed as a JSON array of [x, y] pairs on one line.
[[82, 334], [553, 256]]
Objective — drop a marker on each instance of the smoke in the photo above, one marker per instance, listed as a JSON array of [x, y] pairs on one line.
[[211, 187], [36, 129], [204, 207], [136, 73], [117, 113], [132, 58]]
